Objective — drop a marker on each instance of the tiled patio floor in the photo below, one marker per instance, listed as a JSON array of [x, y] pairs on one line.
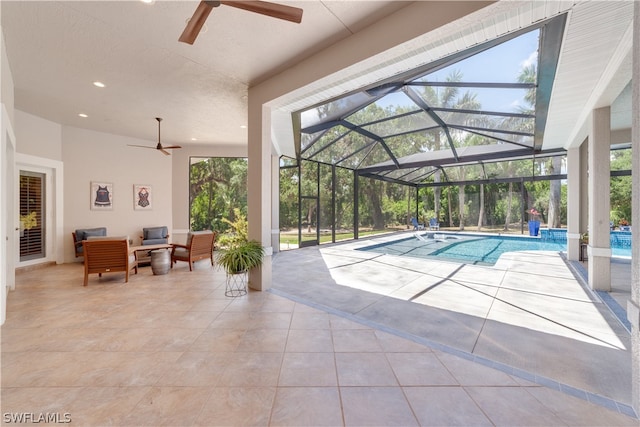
[[173, 350]]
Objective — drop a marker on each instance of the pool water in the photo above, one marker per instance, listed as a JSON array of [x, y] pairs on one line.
[[470, 249]]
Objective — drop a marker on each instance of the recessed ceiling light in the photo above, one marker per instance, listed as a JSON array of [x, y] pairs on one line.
[[99, 84], [148, 1], [243, 126], [83, 115], [194, 139]]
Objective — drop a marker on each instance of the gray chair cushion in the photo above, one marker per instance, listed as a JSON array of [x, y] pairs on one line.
[[151, 233], [85, 233], [154, 241], [154, 235], [181, 252]]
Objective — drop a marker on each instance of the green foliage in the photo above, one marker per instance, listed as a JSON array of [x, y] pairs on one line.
[[620, 187], [217, 186], [238, 231], [241, 256]]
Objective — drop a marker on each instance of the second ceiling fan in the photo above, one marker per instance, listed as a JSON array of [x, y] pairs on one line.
[[163, 149], [205, 7]]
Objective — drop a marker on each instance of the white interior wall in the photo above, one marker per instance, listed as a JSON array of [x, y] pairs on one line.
[[94, 156], [37, 136], [7, 151]]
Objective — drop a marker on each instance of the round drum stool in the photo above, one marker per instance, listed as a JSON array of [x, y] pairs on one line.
[[160, 261]]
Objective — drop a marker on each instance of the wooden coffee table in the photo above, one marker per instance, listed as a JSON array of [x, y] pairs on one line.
[[160, 256]]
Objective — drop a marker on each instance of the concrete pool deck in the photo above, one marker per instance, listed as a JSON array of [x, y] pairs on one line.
[[530, 315]]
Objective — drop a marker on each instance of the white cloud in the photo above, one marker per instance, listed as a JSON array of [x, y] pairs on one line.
[[532, 59]]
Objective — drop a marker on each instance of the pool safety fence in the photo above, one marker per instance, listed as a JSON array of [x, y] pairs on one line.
[[618, 239]]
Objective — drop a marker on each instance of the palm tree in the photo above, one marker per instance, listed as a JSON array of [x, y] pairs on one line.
[[449, 97]]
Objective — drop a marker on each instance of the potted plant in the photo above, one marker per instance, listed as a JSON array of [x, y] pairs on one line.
[[237, 259], [534, 221], [241, 257]]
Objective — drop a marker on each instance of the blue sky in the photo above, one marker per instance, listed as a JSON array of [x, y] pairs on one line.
[[502, 63]]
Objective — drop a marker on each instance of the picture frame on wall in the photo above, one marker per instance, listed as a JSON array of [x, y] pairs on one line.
[[101, 196], [142, 197]]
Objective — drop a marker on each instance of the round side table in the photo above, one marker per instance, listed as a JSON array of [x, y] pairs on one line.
[[160, 261]]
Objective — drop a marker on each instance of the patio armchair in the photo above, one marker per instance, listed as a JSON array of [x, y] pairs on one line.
[[155, 235], [152, 236], [108, 255], [434, 224], [83, 234], [199, 246], [417, 225]]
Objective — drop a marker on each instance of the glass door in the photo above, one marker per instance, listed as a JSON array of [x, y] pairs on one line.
[[309, 230], [32, 204]]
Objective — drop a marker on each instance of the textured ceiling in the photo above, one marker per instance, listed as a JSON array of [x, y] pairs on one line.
[[57, 49]]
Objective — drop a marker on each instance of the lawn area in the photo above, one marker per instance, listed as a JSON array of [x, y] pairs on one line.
[[291, 237]]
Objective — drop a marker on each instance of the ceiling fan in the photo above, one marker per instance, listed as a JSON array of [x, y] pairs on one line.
[[205, 7], [160, 147]]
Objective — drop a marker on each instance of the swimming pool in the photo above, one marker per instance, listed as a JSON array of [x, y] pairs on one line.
[[470, 249]]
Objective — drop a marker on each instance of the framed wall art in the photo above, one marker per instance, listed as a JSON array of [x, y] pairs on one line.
[[142, 197], [101, 196]]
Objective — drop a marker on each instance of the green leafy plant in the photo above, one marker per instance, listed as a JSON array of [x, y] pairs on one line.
[[241, 256], [239, 230]]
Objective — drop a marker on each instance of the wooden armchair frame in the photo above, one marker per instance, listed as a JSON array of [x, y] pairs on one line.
[[82, 234], [199, 246], [108, 256]]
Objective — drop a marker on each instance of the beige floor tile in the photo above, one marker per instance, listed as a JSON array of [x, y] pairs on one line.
[[277, 304], [169, 406], [232, 320], [306, 406], [376, 406], [218, 340], [415, 369], [237, 406], [252, 370], [355, 340], [308, 369], [270, 320], [313, 320], [364, 369], [196, 369], [263, 340], [304, 340], [445, 406]]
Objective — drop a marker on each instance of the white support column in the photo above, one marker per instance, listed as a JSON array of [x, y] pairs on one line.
[[584, 186], [573, 203], [633, 305], [599, 205], [275, 203], [259, 190]]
